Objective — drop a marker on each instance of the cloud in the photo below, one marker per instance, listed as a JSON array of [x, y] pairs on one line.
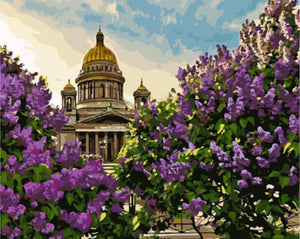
[[112, 10], [235, 25], [210, 11]]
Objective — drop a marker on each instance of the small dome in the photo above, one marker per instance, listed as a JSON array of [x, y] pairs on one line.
[[69, 85], [142, 87], [99, 52]]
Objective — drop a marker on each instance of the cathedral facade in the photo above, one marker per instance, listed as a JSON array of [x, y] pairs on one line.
[[98, 113]]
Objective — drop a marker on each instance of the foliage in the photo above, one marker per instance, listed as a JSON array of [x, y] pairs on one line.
[[45, 193], [226, 148]]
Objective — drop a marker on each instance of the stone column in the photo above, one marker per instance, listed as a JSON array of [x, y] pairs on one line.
[[87, 139], [115, 145], [97, 142], [106, 148]]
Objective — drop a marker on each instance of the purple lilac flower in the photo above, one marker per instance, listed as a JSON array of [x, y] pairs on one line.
[[81, 220], [294, 178], [262, 162], [33, 204], [235, 109], [167, 144], [246, 174], [10, 118], [10, 203], [116, 208], [16, 211], [40, 224], [138, 191], [171, 172], [70, 154], [280, 134], [58, 235], [122, 196], [147, 173], [52, 190], [34, 191], [122, 161], [240, 161], [195, 206], [94, 206], [242, 184], [273, 153], [5, 230], [207, 167], [192, 147], [155, 134], [264, 135], [256, 150], [15, 233], [294, 124], [173, 157], [138, 166], [150, 203], [224, 158], [282, 69], [102, 196], [256, 180]]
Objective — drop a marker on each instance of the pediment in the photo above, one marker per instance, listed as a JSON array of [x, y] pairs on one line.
[[109, 117]]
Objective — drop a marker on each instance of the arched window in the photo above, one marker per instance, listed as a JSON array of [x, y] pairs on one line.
[[69, 104], [102, 91], [143, 101]]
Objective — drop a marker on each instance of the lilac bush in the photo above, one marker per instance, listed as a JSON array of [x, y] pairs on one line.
[[229, 140], [45, 193]]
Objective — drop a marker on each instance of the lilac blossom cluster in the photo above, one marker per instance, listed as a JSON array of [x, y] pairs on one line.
[[91, 175], [79, 220], [10, 203], [195, 206], [171, 172], [40, 224]]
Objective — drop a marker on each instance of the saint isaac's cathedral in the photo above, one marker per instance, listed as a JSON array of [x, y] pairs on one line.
[[98, 112]]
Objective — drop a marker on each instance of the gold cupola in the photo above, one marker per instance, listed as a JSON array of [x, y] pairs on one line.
[[99, 52]]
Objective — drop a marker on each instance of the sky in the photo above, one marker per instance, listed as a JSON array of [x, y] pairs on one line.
[[150, 38]]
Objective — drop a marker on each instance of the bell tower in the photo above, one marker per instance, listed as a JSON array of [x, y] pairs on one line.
[[141, 96], [68, 95]]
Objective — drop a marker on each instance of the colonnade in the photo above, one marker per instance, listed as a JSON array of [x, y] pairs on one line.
[[105, 144]]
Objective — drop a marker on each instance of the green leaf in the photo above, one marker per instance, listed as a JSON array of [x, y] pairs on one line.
[[283, 181], [3, 177], [221, 107], [4, 220], [37, 236], [232, 215], [262, 205], [274, 174], [70, 197], [284, 198], [243, 122], [251, 120], [49, 212], [233, 126]]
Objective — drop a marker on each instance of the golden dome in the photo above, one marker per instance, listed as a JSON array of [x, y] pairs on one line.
[[99, 52], [142, 87], [69, 85]]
